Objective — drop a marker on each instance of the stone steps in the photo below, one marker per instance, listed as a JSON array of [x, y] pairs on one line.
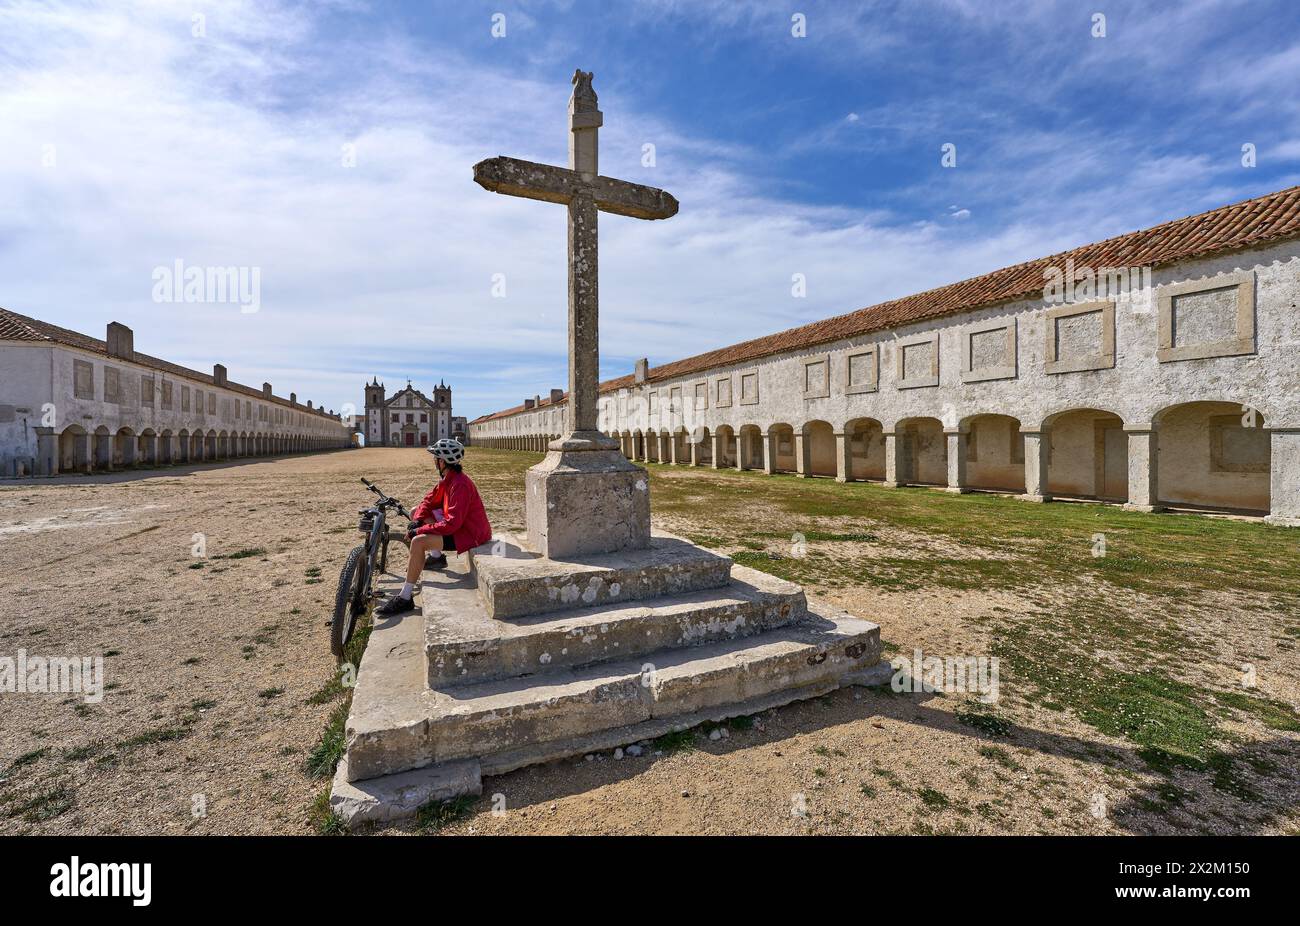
[[516, 582], [551, 714], [463, 644]]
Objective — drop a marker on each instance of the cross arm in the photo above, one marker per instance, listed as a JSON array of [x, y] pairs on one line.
[[531, 180]]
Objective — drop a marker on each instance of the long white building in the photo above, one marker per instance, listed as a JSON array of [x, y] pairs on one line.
[[1159, 368], [70, 403]]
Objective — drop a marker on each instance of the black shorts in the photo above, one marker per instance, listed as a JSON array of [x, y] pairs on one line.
[[448, 543]]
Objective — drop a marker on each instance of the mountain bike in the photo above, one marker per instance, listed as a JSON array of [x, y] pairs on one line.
[[356, 581]]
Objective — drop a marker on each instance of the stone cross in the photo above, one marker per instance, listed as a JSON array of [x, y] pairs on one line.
[[581, 188], [585, 497]]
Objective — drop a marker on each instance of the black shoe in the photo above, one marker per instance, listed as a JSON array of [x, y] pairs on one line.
[[396, 605], [435, 561]]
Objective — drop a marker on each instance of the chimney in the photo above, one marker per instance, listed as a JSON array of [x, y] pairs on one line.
[[309, 403], [537, 401], [266, 390], [218, 374], [642, 371], [121, 342], [293, 398], [529, 403], [557, 396]]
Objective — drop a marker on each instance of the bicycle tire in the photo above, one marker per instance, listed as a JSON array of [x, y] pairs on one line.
[[345, 616]]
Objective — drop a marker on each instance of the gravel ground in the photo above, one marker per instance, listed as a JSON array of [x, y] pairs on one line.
[[211, 662]]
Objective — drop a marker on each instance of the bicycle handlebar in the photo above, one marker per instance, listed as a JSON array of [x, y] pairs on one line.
[[385, 500]]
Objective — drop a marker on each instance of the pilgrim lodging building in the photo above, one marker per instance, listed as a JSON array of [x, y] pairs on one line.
[[1156, 369], [70, 403]]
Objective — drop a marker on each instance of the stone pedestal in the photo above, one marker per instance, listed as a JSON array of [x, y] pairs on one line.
[[586, 498]]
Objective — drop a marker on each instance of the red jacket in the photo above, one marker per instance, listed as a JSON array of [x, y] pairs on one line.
[[464, 519]]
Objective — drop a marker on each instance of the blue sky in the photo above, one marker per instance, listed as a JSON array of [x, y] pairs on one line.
[[130, 142]]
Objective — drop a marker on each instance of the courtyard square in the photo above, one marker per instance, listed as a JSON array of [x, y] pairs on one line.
[[1123, 641]]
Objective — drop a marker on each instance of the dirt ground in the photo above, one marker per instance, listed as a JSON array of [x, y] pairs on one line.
[[206, 590]]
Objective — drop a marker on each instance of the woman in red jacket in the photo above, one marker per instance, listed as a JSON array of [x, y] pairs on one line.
[[451, 517]]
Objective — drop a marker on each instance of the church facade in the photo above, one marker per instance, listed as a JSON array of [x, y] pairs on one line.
[[409, 418], [1155, 369]]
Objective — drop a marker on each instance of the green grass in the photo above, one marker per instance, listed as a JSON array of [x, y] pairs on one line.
[[435, 815], [322, 817], [678, 741], [29, 758], [1102, 638], [243, 554], [1276, 715], [325, 755], [984, 721], [154, 737]]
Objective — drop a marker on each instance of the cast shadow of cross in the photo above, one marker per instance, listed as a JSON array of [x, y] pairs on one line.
[[1227, 793]]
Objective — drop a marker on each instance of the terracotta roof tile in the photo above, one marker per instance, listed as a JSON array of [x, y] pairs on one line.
[[1229, 228], [15, 327]]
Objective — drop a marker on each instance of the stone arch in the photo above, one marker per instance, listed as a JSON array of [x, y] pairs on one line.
[[701, 446], [76, 450], [781, 455], [210, 445], [146, 447], [124, 448], [865, 438], [724, 446], [680, 449], [995, 452], [922, 451], [749, 447], [816, 449], [1214, 455], [1087, 454]]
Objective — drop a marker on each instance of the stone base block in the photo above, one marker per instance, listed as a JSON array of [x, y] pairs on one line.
[[1281, 520], [1148, 509], [1034, 498], [586, 501], [515, 581], [400, 796]]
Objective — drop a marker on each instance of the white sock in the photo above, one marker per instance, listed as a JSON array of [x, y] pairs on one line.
[[407, 590]]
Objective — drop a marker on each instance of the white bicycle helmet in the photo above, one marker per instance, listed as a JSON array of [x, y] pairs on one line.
[[449, 450]]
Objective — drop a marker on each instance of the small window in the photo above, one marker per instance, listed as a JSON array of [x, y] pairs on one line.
[[83, 379]]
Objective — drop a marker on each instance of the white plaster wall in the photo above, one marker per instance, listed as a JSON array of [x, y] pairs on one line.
[[1136, 389], [25, 386]]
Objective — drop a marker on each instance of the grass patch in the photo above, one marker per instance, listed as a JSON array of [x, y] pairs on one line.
[[154, 737], [243, 554], [435, 815], [935, 800], [677, 741], [1276, 715], [28, 758], [984, 721], [45, 805], [324, 821], [325, 755]]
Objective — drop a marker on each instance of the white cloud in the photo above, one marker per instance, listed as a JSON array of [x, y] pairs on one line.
[[226, 150]]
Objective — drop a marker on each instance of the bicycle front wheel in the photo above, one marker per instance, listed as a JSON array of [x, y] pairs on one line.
[[346, 598]]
